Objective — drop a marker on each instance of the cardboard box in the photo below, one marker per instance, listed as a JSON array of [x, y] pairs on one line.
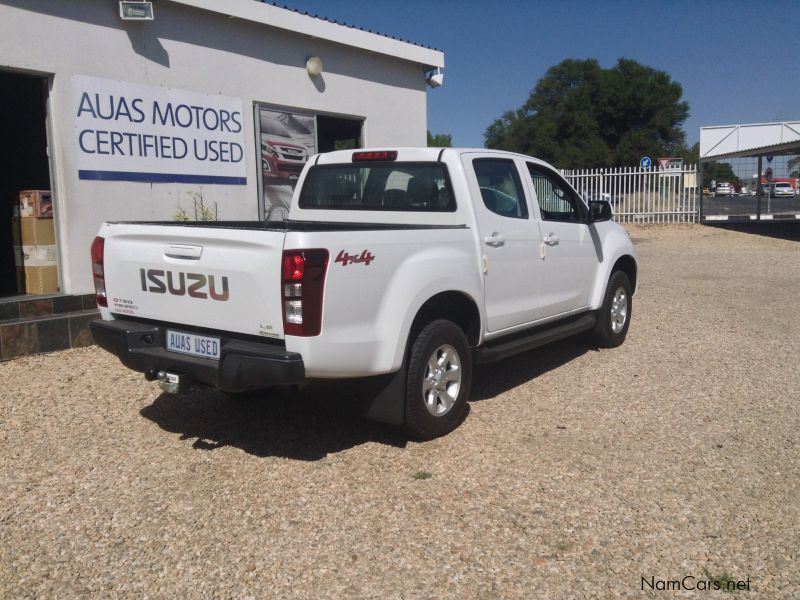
[[35, 231], [41, 280], [36, 203], [35, 254]]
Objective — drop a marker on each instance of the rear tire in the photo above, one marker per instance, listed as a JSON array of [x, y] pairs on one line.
[[614, 316], [439, 380]]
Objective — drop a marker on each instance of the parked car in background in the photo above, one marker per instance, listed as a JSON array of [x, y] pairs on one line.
[[604, 197], [724, 189], [781, 189]]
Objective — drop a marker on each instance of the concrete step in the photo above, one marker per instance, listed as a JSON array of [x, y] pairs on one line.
[[33, 334], [16, 307]]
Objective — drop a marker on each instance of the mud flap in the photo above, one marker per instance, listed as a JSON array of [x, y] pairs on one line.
[[389, 403]]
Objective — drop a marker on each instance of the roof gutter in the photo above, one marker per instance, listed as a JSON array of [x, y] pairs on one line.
[[273, 16]]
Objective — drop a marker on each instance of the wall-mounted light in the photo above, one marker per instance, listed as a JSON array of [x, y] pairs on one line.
[[435, 78], [136, 11], [314, 66]]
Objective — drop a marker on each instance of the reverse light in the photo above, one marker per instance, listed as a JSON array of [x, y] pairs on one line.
[[375, 155], [302, 286], [98, 273], [294, 311]]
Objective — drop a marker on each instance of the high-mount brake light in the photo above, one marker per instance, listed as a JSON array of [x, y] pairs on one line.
[[98, 272], [302, 286], [375, 155]]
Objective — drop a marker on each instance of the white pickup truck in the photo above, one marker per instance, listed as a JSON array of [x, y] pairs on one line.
[[412, 264]]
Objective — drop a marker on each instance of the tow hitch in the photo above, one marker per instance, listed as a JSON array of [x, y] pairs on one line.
[[173, 383]]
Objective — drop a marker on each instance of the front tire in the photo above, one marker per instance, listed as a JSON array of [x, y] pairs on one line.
[[614, 317], [439, 380]]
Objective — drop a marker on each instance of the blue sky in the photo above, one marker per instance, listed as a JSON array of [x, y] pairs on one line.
[[738, 62]]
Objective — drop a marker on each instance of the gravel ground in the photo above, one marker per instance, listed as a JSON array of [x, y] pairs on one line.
[[576, 474]]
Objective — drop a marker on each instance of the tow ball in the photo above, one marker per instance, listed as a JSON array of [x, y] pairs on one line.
[[172, 383]]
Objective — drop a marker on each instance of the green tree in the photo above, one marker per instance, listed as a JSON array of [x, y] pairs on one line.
[[690, 156], [719, 172], [581, 115], [440, 140], [712, 171]]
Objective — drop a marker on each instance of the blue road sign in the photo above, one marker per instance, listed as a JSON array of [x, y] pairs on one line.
[[645, 162]]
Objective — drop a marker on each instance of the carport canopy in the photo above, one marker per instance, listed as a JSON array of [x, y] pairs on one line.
[[753, 139]]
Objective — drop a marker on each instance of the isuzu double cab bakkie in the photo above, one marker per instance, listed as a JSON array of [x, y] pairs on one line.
[[413, 264]]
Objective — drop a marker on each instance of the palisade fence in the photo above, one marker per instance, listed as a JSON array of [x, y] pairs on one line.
[[641, 195]]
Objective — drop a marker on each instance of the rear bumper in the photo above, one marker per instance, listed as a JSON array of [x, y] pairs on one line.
[[243, 365]]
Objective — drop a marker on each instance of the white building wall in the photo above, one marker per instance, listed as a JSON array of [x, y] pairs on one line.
[[191, 49]]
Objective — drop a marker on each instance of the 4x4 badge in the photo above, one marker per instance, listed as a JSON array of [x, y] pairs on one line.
[[347, 259]]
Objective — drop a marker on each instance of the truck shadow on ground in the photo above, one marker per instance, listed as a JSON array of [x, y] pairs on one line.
[[321, 418], [305, 424], [494, 379]]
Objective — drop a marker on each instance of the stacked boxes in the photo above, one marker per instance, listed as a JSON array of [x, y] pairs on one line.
[[36, 203], [35, 243]]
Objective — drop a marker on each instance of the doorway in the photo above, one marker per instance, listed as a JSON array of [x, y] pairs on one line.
[[24, 165], [337, 133]]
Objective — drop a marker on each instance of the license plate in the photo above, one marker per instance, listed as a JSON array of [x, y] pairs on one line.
[[193, 345]]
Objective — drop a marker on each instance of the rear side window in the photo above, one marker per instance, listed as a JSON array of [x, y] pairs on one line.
[[501, 188], [415, 187]]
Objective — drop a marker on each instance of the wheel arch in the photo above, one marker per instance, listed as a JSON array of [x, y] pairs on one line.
[[454, 306], [624, 262], [627, 264]]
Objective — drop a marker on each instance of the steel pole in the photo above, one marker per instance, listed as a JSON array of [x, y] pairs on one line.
[[758, 189], [700, 188]]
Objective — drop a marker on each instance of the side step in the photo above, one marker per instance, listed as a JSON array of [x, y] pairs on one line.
[[539, 336]]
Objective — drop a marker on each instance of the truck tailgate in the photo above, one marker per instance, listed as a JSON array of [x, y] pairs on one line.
[[211, 277]]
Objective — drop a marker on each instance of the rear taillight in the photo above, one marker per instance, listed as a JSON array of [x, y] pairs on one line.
[[98, 247], [303, 281]]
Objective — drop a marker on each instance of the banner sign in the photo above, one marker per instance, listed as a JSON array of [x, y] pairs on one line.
[[288, 140], [131, 132]]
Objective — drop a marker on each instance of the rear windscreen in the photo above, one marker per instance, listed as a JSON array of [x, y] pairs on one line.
[[407, 186]]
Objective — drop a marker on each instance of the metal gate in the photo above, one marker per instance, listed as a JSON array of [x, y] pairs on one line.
[[750, 172], [641, 195], [733, 190]]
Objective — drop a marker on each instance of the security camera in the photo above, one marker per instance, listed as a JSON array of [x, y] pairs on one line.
[[435, 78]]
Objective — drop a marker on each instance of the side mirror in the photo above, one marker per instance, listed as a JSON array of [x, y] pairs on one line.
[[600, 210]]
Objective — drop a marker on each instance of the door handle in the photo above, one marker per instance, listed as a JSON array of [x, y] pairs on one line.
[[183, 251], [495, 240], [551, 240]]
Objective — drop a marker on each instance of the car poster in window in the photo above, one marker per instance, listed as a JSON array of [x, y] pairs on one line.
[[287, 141]]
